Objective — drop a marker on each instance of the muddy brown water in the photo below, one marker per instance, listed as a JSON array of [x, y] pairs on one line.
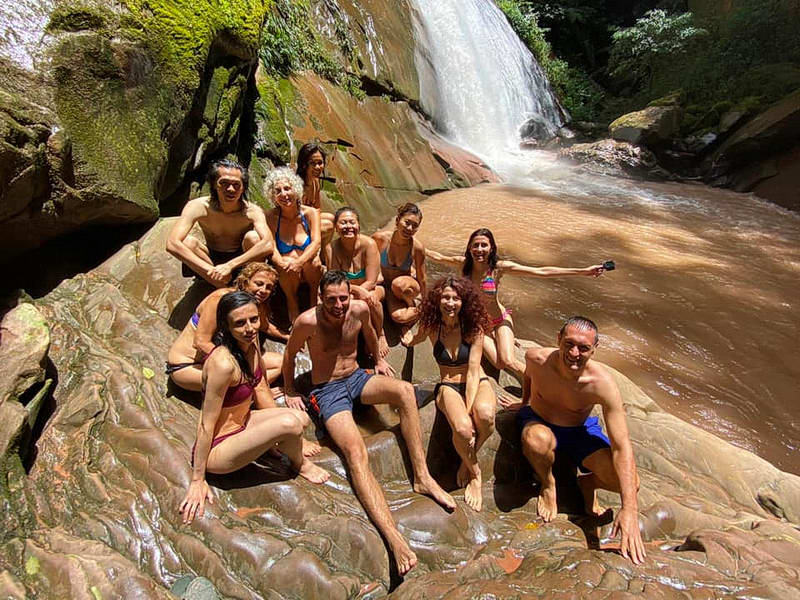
[[701, 311]]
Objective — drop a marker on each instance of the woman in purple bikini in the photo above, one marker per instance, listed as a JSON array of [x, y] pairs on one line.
[[481, 265], [229, 434]]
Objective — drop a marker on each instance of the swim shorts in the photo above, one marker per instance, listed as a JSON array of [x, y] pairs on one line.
[[333, 397], [575, 442]]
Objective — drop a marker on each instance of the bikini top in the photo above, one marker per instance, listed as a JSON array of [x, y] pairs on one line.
[[442, 356], [357, 275], [195, 320], [489, 284], [405, 267], [283, 247], [244, 390]]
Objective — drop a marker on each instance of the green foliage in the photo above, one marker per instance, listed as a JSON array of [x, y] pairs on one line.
[[656, 38], [290, 45], [580, 95]]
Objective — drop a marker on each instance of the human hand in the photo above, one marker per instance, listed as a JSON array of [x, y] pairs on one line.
[[594, 271], [384, 368], [359, 293], [294, 401], [408, 336], [293, 265], [630, 544], [220, 272], [509, 402], [194, 502]]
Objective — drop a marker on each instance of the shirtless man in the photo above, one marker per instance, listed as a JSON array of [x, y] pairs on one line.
[[560, 388], [331, 330], [235, 230]]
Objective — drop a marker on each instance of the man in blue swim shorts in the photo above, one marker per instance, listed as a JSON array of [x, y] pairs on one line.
[[561, 387], [331, 330]]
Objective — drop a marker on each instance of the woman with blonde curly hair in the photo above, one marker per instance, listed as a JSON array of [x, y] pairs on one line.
[[453, 317], [296, 229], [186, 356]]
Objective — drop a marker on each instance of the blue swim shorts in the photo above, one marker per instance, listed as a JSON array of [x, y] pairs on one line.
[[333, 397], [575, 442]]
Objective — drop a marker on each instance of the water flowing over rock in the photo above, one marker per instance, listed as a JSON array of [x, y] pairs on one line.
[[478, 81], [97, 509]]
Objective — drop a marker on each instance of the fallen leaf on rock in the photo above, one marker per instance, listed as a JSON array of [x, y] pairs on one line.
[[148, 373], [510, 561]]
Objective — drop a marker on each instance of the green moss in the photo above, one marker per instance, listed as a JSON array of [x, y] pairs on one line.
[[674, 98], [78, 17]]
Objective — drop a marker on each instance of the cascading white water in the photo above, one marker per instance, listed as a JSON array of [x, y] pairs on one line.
[[478, 81]]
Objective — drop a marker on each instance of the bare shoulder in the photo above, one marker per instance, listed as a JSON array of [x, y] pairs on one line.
[[358, 308], [307, 319], [368, 243], [381, 237], [601, 383], [196, 208], [253, 211], [538, 356], [419, 247]]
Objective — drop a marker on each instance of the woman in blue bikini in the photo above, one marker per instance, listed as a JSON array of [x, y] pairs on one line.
[[454, 319], [357, 255], [296, 229], [399, 252], [187, 353], [481, 265]]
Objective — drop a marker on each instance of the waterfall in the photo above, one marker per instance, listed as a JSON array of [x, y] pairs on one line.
[[478, 81]]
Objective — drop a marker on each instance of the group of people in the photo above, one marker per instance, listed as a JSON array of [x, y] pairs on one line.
[[354, 282]]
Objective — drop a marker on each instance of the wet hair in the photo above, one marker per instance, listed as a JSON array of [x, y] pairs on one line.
[[283, 174], [582, 324], [213, 177], [304, 157], [249, 271], [332, 278], [223, 336], [472, 317], [409, 208], [466, 268], [344, 209]]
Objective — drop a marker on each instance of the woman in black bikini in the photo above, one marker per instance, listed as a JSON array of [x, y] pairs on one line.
[[357, 255], [229, 434], [296, 229], [188, 351], [399, 250], [454, 318]]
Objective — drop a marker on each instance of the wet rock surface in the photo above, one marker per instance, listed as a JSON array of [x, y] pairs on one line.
[[615, 158], [96, 512]]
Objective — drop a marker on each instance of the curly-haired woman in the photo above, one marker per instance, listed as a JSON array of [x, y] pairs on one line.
[[453, 318]]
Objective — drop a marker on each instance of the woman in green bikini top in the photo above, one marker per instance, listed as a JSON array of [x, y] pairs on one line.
[[357, 255]]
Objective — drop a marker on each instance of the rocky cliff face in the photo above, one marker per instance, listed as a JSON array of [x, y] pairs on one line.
[[91, 509], [111, 112]]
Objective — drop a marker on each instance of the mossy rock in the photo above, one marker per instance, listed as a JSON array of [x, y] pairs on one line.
[[674, 98]]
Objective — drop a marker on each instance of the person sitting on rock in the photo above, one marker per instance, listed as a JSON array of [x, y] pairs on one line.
[[560, 388], [453, 318], [357, 255], [296, 229], [311, 161], [229, 434], [399, 252], [331, 331], [234, 229], [187, 353]]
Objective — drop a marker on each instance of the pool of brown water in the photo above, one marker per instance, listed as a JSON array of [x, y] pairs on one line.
[[701, 311]]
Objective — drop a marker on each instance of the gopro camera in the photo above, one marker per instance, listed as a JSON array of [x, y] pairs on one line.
[[609, 265]]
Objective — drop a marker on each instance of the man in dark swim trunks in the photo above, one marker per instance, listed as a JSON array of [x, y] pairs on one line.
[[235, 230], [331, 330], [561, 387]]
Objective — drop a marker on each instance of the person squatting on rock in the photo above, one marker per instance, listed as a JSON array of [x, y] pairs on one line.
[[454, 318], [311, 162], [481, 264], [331, 331], [357, 255], [296, 229], [399, 252], [195, 342], [235, 230], [560, 388], [229, 434]]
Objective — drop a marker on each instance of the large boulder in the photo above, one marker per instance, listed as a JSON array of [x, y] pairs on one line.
[[652, 126], [96, 513], [618, 159]]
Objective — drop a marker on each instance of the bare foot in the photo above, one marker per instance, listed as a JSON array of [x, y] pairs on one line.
[[546, 506], [313, 473], [311, 448], [404, 557], [463, 476], [589, 492], [472, 493], [429, 487], [383, 346]]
